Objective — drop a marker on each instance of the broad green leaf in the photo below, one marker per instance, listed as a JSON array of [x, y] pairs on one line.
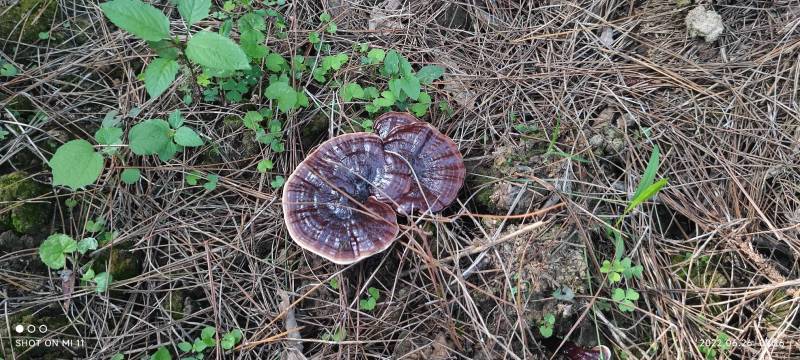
[[391, 62], [161, 354], [165, 49], [373, 292], [175, 119], [76, 164], [334, 62], [351, 91], [251, 22], [185, 136], [149, 137], [87, 244], [212, 182], [158, 75], [215, 51], [429, 73], [192, 11], [375, 56], [54, 249], [185, 346], [252, 42], [283, 93], [275, 62], [168, 151], [410, 86], [647, 193], [252, 120], [142, 20], [130, 176], [108, 136]]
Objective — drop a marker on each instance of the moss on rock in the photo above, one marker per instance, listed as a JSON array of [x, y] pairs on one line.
[[25, 216], [27, 18]]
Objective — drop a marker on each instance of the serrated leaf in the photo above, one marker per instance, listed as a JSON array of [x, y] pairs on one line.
[[215, 51], [391, 62], [142, 20], [149, 137], [175, 119], [53, 250], [185, 346], [75, 164], [130, 176], [285, 95], [227, 341], [193, 11], [199, 345], [251, 22], [168, 151], [351, 91], [185, 136], [86, 244], [375, 56], [158, 75], [275, 62], [430, 73], [410, 86], [252, 120], [165, 49]]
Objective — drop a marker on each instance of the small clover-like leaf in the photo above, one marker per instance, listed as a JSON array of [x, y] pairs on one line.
[[277, 182], [546, 331], [618, 294]]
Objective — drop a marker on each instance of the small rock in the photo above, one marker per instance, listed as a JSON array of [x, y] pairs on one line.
[[704, 23]]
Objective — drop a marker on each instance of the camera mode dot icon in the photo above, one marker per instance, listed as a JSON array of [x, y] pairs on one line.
[[19, 328]]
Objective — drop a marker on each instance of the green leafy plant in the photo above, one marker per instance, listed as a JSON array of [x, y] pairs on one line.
[[625, 298], [207, 49], [57, 247], [194, 350], [7, 69], [719, 346], [130, 176], [336, 336], [161, 354], [76, 164], [546, 325], [156, 136], [369, 303], [620, 268]]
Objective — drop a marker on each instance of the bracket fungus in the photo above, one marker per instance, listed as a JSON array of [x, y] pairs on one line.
[[437, 166], [340, 202]]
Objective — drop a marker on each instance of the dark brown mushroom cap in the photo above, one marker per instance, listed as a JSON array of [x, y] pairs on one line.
[[438, 168], [330, 201], [385, 123]]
